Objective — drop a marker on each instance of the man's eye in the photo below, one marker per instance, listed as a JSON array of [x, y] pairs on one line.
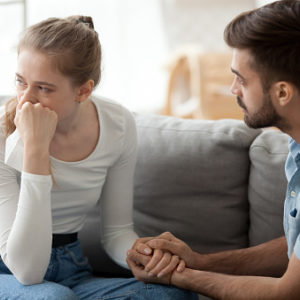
[[241, 81]]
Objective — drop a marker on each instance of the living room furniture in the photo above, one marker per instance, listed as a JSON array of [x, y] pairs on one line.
[[199, 86], [217, 185]]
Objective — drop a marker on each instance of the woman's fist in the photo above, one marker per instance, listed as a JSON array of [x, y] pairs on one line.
[[36, 124]]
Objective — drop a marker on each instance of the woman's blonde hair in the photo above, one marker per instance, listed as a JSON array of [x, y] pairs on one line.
[[71, 43]]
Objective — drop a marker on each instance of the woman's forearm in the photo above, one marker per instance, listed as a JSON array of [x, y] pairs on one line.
[[28, 245]]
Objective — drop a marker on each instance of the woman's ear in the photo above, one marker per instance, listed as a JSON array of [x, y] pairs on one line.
[[85, 90], [284, 92]]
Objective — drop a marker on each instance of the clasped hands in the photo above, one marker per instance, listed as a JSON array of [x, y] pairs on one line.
[[155, 259]]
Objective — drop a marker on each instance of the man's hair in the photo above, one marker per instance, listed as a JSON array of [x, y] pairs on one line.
[[272, 35]]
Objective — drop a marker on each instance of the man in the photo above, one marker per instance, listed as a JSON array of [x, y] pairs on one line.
[[266, 64]]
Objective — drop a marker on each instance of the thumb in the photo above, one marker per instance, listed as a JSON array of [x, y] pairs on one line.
[[138, 258], [143, 249]]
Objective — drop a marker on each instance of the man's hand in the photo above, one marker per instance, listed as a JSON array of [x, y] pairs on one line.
[[167, 242], [161, 262]]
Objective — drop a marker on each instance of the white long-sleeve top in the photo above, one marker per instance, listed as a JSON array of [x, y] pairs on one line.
[[32, 208]]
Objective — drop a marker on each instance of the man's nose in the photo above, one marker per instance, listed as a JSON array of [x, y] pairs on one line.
[[234, 89]]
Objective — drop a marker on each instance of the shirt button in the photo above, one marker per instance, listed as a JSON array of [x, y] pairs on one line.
[[293, 193]]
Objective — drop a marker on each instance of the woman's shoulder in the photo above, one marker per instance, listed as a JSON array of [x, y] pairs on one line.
[[112, 109]]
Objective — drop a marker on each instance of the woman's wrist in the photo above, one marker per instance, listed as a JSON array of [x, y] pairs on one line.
[[170, 276], [36, 160]]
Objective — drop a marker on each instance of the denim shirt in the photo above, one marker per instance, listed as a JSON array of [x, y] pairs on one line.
[[292, 200]]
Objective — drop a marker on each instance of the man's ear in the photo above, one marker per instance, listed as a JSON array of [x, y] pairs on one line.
[[284, 92], [85, 90]]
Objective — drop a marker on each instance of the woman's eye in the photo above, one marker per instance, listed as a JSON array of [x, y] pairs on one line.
[[44, 89], [19, 82]]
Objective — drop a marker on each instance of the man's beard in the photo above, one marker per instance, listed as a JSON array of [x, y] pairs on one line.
[[266, 116]]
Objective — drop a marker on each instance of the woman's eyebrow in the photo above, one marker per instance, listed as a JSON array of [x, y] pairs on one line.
[[38, 82]]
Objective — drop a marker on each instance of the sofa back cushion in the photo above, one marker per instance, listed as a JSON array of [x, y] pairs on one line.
[[267, 186], [192, 180]]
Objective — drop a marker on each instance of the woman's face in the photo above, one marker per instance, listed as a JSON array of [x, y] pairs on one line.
[[38, 81]]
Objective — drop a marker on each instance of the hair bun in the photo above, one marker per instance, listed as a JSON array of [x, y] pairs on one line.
[[86, 20]]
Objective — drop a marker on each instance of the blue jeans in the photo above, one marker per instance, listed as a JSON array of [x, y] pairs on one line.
[[69, 277]]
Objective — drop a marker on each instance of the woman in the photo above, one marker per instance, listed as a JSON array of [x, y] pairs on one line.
[[60, 152]]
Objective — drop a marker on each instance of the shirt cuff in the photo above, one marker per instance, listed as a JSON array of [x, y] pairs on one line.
[[36, 177]]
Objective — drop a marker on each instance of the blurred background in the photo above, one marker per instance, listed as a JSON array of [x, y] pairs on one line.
[[159, 56]]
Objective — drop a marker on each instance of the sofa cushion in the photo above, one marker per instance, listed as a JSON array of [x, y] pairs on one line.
[[267, 185], [192, 180]]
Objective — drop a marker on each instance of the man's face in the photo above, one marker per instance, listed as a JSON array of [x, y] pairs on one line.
[[257, 105]]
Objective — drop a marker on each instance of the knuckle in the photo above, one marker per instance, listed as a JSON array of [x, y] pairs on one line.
[[139, 246], [160, 243], [169, 234], [26, 105], [176, 258], [138, 241]]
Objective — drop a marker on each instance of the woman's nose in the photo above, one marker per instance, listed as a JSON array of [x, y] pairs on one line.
[[28, 96]]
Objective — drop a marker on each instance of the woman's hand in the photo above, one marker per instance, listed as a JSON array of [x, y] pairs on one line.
[[141, 246], [159, 263], [163, 263], [137, 261], [36, 125]]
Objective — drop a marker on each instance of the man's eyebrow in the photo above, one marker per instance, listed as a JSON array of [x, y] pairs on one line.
[[237, 73], [39, 82]]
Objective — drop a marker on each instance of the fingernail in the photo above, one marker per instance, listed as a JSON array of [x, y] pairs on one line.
[[160, 275], [150, 274], [147, 251]]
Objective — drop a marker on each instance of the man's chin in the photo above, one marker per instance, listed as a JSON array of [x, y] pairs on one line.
[[251, 123]]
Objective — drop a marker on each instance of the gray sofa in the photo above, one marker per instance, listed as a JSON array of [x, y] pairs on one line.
[[217, 185]]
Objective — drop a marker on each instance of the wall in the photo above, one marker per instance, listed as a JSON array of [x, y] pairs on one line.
[[138, 39]]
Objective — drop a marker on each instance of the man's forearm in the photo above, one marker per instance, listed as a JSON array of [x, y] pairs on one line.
[[229, 287], [268, 259]]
